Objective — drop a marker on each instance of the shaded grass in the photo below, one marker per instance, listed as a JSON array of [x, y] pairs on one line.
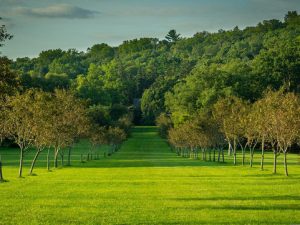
[[145, 183]]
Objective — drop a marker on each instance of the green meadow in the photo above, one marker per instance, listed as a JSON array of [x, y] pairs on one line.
[[146, 183]]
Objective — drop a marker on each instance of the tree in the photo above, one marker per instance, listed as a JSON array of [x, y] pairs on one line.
[[164, 123], [272, 101], [3, 34], [98, 136], [285, 121], [41, 129], [115, 137], [228, 112], [172, 36], [8, 79], [259, 116], [68, 122], [20, 122]]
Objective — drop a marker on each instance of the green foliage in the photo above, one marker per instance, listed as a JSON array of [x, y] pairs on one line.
[[164, 123], [172, 36], [181, 76], [8, 79]]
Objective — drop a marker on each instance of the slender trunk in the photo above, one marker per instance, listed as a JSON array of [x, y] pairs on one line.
[[214, 159], [34, 161], [48, 159], [56, 151], [62, 159], [1, 174], [275, 161], [234, 151], [69, 156], [21, 162], [222, 155], [219, 154], [262, 154], [243, 155], [285, 163], [229, 148], [251, 156]]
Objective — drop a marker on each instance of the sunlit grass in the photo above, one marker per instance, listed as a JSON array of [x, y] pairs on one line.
[[146, 183]]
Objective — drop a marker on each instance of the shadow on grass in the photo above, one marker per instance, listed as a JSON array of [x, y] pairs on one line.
[[240, 198], [4, 181]]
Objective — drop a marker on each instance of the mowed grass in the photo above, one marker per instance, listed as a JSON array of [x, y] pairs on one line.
[[146, 183]]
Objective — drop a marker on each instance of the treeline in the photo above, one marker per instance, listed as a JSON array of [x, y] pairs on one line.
[[272, 122], [177, 75]]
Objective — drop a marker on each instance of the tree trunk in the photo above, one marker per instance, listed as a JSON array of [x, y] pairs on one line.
[[275, 162], [69, 156], [21, 162], [234, 152], [219, 154], [62, 159], [34, 161], [1, 174], [222, 155], [285, 163], [56, 157], [214, 159], [262, 154], [243, 155], [229, 148], [48, 159], [251, 156]]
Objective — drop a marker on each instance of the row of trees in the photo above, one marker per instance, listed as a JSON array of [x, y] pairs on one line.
[[53, 118], [51, 121], [272, 122]]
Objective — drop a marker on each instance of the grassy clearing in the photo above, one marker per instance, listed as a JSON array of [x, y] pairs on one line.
[[145, 183]]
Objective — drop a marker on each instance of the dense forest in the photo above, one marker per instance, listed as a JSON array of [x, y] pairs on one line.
[[180, 76]]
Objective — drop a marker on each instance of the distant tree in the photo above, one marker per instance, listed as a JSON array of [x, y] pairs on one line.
[[4, 35], [172, 36], [98, 136], [164, 123], [115, 137]]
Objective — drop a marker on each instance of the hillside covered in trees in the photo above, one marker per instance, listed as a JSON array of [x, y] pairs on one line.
[[180, 76]]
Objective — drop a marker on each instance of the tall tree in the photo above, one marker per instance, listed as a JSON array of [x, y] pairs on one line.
[[172, 36], [20, 122]]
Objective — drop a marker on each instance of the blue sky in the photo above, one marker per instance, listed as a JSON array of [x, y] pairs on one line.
[[43, 24]]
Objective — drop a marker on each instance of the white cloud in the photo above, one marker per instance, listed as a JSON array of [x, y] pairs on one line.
[[57, 11]]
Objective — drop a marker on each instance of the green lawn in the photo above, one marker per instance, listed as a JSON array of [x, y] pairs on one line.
[[145, 183]]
